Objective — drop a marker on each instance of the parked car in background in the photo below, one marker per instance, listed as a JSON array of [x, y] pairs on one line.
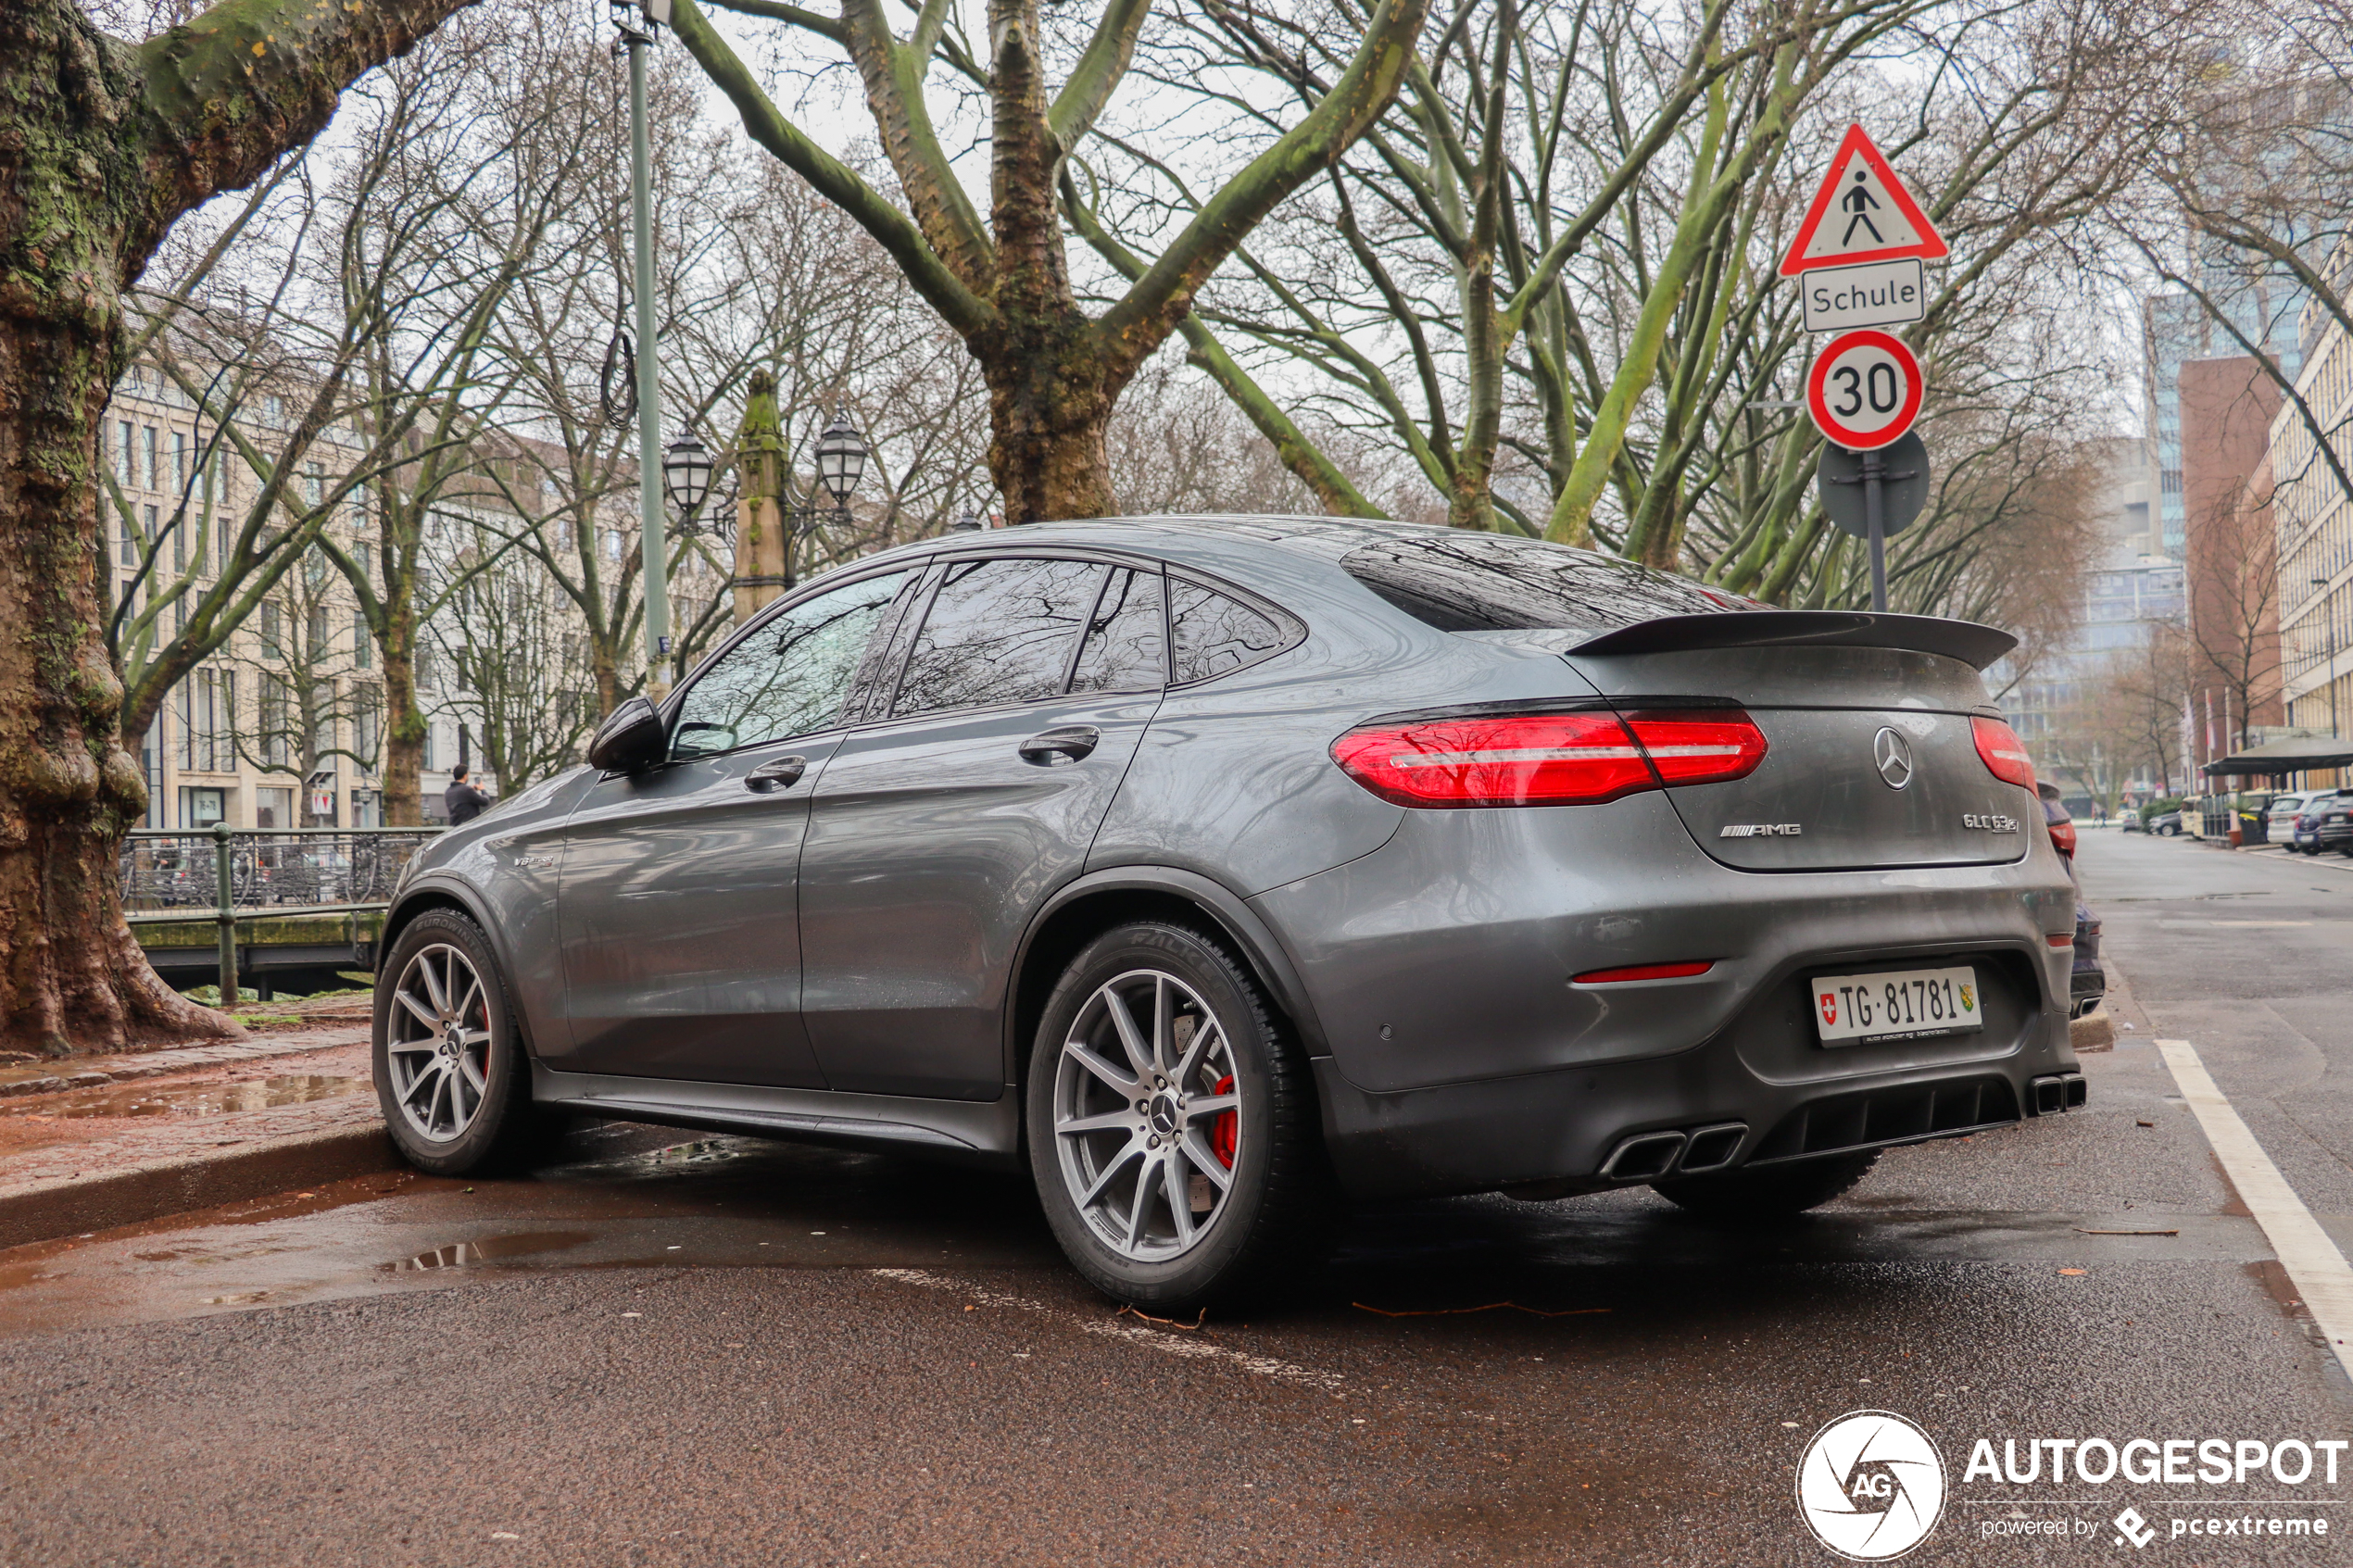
[[2088, 981], [2326, 822], [1202, 866], [2279, 816], [2165, 824]]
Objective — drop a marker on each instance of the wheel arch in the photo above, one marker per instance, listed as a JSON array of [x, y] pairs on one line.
[[1097, 902], [463, 901]]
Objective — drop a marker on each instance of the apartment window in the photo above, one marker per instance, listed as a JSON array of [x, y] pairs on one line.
[[126, 547], [122, 473], [362, 645], [314, 483], [2168, 482], [207, 700], [154, 442], [321, 633], [367, 726], [277, 730], [271, 627], [201, 807], [147, 517], [179, 546], [273, 409], [428, 673], [178, 460]]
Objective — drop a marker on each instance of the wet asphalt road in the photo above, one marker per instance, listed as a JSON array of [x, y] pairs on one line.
[[735, 1352]]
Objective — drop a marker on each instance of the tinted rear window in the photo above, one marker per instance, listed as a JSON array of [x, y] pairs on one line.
[[1463, 582]]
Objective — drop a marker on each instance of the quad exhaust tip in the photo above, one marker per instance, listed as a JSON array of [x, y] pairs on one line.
[[1648, 1157], [2060, 1092]]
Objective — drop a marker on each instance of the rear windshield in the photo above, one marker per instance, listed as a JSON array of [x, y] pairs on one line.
[[1463, 581]]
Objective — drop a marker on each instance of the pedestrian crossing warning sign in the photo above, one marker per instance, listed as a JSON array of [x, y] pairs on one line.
[[1862, 213]]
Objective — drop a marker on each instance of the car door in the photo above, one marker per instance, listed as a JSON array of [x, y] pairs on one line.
[[936, 832], [678, 918]]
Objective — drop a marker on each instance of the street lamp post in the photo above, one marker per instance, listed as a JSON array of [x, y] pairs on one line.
[[687, 469], [840, 461], [654, 14]]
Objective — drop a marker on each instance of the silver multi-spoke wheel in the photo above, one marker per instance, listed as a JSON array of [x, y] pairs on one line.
[[1146, 1112], [438, 1047]]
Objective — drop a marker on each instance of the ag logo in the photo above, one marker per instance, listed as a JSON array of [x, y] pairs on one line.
[[1871, 1485]]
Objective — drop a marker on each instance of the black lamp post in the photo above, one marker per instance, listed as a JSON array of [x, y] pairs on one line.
[[687, 469], [841, 458]]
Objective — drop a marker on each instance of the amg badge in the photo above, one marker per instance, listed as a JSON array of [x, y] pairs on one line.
[[1989, 823], [1761, 830]]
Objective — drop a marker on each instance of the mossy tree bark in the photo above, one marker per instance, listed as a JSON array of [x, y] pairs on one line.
[[1054, 374], [103, 145]]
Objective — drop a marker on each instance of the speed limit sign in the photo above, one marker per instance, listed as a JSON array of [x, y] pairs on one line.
[[1864, 390]]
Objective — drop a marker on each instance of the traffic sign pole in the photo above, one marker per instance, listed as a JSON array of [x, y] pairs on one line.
[[1875, 523]]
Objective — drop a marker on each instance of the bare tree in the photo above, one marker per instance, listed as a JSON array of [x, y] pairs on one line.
[[1553, 296], [1003, 286]]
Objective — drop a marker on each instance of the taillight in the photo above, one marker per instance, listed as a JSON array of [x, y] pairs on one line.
[[2063, 838], [1548, 758], [2005, 754], [1703, 746]]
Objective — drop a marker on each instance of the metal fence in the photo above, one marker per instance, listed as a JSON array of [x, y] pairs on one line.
[[167, 877], [293, 869]]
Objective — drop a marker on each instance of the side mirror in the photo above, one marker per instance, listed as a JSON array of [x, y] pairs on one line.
[[628, 741]]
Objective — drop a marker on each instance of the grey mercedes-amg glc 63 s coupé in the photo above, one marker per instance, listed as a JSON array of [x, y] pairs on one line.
[[1218, 868]]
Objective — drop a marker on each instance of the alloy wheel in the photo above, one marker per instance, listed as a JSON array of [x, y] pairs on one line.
[[1147, 1115], [438, 1045]]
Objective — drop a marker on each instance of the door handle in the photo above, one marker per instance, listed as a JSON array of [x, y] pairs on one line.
[[770, 777], [1057, 747]]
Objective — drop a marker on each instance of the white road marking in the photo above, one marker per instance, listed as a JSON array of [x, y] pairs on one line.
[[2305, 1250], [1151, 1339]]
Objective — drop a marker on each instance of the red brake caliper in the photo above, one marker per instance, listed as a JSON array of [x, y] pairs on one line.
[[1222, 1132]]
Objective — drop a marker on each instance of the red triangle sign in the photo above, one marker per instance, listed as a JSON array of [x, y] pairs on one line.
[[1862, 213]]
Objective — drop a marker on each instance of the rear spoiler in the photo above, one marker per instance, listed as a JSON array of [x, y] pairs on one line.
[[1973, 645]]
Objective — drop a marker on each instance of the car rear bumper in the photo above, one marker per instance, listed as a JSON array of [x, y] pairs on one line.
[[1628, 1123], [1466, 1056]]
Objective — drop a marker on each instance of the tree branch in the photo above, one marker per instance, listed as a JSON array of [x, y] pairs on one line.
[[963, 310]]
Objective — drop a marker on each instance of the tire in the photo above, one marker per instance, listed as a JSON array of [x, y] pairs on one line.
[[2168, 832], [1777, 1191], [457, 1102], [1224, 1092]]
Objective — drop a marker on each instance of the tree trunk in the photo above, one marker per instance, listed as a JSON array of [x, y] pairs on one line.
[[1048, 404], [102, 145], [404, 740], [70, 974]]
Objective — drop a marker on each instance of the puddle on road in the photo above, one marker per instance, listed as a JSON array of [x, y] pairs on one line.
[[186, 1099], [489, 1250]]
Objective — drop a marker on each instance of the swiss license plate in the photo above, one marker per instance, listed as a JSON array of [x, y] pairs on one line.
[[1902, 1004]]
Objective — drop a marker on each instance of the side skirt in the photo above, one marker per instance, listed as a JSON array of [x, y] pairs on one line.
[[978, 1131]]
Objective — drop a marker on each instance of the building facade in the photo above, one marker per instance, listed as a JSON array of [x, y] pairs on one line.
[[283, 727]]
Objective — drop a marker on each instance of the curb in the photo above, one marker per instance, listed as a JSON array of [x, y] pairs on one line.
[[154, 1065], [71, 1205]]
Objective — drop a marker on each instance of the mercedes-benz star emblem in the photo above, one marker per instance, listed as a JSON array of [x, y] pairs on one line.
[[1894, 755]]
